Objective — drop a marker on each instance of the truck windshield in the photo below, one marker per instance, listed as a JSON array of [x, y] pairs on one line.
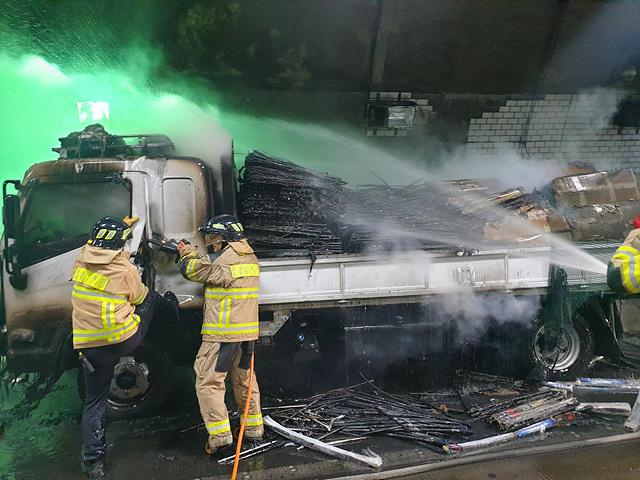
[[57, 217]]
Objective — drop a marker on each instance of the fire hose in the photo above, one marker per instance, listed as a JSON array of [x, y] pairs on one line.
[[244, 421]]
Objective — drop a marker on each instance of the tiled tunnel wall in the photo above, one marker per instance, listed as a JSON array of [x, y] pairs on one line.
[[564, 127]]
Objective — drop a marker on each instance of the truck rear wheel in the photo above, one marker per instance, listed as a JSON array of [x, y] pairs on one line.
[[141, 383], [574, 350]]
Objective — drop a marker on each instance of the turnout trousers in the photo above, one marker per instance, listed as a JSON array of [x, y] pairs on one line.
[[213, 363], [97, 383]]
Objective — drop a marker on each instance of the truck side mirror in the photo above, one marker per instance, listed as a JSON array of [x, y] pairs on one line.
[[10, 220], [10, 215]]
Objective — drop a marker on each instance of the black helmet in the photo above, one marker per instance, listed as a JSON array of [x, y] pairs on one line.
[[226, 225], [109, 232]]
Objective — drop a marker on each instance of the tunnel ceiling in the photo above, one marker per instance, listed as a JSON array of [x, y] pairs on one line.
[[436, 46]]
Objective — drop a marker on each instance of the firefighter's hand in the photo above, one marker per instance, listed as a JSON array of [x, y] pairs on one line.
[[130, 220], [185, 247]]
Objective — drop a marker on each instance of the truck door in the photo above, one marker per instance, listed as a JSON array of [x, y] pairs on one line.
[[54, 224]]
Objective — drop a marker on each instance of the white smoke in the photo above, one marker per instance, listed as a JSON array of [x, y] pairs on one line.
[[474, 312]]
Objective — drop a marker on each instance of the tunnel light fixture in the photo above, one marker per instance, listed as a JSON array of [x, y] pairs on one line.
[[390, 114], [92, 111]]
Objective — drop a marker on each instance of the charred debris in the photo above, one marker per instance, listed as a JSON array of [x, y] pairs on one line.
[[479, 412], [289, 209]]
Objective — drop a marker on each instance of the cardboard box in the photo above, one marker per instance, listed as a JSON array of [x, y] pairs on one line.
[[596, 188]]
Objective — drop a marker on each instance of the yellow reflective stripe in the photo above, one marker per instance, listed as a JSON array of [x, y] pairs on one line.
[[251, 295], [230, 329], [106, 315], [231, 293], [254, 420], [218, 428], [223, 305], [628, 248], [191, 266], [97, 296], [112, 314], [113, 296], [227, 316], [217, 424], [141, 298], [111, 334], [92, 279], [245, 270], [227, 290], [218, 225], [629, 268], [246, 324]]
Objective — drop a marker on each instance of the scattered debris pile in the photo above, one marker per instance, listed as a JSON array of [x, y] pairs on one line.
[[366, 410], [285, 206], [518, 412], [508, 407]]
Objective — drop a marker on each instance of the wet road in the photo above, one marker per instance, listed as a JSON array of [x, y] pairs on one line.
[[170, 446], [618, 462]]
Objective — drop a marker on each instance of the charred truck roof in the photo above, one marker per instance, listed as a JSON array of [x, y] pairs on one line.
[[94, 152]]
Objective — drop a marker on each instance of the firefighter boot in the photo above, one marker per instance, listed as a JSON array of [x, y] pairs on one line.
[[94, 469], [216, 442], [254, 434]]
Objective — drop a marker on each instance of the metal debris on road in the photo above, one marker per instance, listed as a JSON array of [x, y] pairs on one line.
[[612, 385], [633, 422], [492, 408], [369, 458], [365, 410], [484, 443], [605, 408]]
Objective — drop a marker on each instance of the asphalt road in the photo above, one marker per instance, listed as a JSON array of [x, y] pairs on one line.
[[616, 462], [170, 445]]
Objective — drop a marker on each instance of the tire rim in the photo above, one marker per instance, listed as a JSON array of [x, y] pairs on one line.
[[130, 383], [564, 356]]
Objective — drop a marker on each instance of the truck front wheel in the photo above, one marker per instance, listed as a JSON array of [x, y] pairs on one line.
[[572, 353], [141, 383]]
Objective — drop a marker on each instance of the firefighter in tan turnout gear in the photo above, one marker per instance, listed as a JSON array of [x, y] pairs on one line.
[[112, 312], [623, 272], [229, 328]]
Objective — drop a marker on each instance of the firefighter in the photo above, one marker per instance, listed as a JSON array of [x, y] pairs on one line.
[[229, 328], [623, 272], [112, 312]]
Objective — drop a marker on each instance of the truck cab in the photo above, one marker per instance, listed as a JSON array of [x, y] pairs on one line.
[[47, 217]]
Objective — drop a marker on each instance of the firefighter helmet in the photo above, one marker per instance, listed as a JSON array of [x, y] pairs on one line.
[[226, 225], [109, 232]]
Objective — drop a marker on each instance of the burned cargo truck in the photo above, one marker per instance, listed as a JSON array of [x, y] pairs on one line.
[[306, 285]]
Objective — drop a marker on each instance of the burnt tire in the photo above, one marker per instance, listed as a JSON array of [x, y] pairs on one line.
[[573, 353], [141, 383]]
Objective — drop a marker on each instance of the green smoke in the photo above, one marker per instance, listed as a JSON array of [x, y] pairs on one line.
[[39, 103], [55, 56]]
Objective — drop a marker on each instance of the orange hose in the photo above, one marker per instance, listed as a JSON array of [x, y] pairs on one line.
[[236, 461]]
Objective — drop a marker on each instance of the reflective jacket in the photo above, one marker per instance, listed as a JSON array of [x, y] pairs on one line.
[[627, 261], [106, 288], [231, 291]]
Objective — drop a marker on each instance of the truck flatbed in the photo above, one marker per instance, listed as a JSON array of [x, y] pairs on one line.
[[355, 279]]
